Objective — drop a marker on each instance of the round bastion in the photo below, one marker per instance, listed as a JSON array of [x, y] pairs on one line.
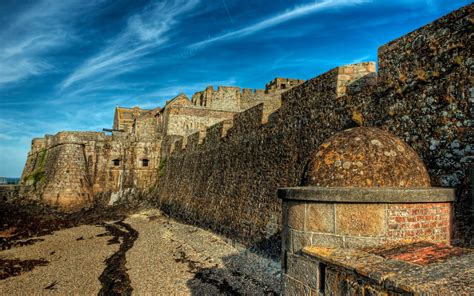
[[364, 187]]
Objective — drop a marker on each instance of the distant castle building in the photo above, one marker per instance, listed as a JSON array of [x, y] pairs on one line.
[[70, 168]]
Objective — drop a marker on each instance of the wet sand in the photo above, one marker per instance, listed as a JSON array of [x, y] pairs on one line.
[[139, 253]]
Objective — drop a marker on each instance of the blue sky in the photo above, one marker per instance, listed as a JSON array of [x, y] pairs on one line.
[[65, 65]]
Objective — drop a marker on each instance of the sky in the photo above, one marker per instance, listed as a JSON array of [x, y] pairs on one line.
[[66, 64]]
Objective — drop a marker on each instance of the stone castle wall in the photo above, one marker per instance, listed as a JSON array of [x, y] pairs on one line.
[[226, 176], [185, 120], [71, 168], [227, 181], [235, 99]]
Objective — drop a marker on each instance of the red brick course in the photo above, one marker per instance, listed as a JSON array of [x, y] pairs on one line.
[[423, 221]]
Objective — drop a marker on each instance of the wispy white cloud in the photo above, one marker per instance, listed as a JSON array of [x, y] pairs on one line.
[[36, 31], [288, 15], [144, 34]]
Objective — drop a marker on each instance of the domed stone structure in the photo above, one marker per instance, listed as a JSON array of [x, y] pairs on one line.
[[366, 157]]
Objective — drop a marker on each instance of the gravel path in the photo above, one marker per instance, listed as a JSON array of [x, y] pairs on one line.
[[146, 254]]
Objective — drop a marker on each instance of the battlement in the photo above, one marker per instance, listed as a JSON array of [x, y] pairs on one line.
[[282, 84], [331, 85], [72, 137], [37, 144], [232, 98]]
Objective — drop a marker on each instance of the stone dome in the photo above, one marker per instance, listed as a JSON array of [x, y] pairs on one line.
[[366, 157]]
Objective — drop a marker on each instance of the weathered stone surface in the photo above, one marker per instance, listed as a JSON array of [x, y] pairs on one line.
[[72, 169], [296, 215], [436, 269], [320, 217], [332, 282], [361, 242], [366, 157], [293, 287], [299, 240], [360, 219], [327, 240], [303, 269]]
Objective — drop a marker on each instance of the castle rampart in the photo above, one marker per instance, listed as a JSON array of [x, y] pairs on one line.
[[70, 169], [231, 186], [220, 157]]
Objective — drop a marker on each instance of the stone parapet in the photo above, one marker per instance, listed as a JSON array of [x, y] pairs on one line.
[[405, 269], [334, 217]]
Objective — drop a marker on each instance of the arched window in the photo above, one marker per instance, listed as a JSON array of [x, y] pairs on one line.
[[145, 162], [116, 162]]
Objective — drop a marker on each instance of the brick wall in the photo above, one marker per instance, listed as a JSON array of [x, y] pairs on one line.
[[420, 221]]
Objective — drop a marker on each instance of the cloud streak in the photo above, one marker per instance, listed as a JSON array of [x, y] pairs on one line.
[[34, 33], [288, 15], [144, 34]]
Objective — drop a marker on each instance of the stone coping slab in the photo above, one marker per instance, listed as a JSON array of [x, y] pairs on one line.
[[452, 275], [367, 195]]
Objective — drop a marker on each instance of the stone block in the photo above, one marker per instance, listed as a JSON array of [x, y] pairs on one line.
[[331, 282], [326, 240], [299, 240], [320, 217], [355, 242], [303, 269], [292, 287], [360, 219], [296, 215]]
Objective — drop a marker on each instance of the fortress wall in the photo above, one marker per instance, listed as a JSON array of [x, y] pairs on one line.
[[247, 121], [145, 177], [145, 127], [30, 164], [130, 173], [224, 98], [231, 186], [168, 145], [192, 141], [67, 183], [282, 84], [250, 98], [75, 167], [214, 134], [234, 99], [440, 44], [185, 120], [37, 144]]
